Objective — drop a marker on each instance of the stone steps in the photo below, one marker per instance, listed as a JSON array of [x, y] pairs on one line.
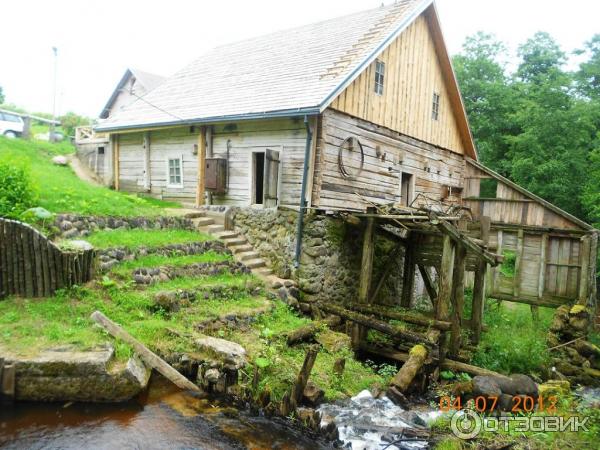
[[223, 235], [241, 248], [195, 215], [203, 222], [245, 256], [216, 228], [235, 242], [255, 263]]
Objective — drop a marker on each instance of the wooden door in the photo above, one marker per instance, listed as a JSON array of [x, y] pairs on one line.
[[271, 178]]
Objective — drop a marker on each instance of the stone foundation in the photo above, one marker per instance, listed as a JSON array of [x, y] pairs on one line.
[[331, 253], [72, 225], [73, 375]]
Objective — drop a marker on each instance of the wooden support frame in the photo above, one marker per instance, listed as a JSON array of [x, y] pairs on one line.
[[408, 275], [366, 275], [389, 265], [429, 285], [457, 298], [479, 287], [201, 188]]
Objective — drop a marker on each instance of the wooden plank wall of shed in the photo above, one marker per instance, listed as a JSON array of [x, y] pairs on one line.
[[432, 167], [288, 136], [412, 74]]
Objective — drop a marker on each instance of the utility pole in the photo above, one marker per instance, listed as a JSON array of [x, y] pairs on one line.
[[52, 126]]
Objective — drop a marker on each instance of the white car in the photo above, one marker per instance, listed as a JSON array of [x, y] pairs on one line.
[[11, 125]]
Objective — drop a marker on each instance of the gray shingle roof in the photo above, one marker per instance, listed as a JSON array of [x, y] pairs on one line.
[[288, 72]]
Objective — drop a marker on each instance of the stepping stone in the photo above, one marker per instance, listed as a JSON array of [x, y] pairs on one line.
[[215, 228], [203, 222], [235, 241], [227, 234], [195, 215], [248, 255], [255, 263], [241, 248], [230, 353]]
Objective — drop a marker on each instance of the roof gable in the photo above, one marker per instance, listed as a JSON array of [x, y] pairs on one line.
[[287, 73]]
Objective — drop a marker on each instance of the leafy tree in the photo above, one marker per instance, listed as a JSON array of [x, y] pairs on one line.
[[488, 97], [70, 121], [1, 95], [588, 76]]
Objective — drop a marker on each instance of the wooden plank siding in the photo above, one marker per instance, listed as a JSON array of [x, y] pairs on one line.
[[432, 167], [288, 136], [412, 74]]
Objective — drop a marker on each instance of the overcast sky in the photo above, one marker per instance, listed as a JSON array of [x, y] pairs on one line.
[[98, 39]]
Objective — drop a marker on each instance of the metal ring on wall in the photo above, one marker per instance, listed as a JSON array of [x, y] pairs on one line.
[[350, 140]]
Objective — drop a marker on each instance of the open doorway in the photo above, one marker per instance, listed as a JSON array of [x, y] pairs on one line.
[[258, 169], [264, 188], [406, 189]]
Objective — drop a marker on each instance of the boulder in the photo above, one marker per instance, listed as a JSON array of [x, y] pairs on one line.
[[60, 160], [313, 395], [233, 355], [332, 341]]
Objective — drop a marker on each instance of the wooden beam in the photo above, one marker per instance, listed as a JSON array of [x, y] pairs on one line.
[[369, 322], [542, 271], [145, 354], [429, 286], [366, 275], [389, 265], [518, 264], [457, 236], [308, 331], [478, 304], [584, 258], [303, 375], [405, 316], [116, 162], [457, 298], [201, 188], [445, 279], [408, 275]]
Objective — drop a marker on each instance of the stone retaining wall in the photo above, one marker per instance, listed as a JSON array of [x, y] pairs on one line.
[[331, 253], [73, 225]]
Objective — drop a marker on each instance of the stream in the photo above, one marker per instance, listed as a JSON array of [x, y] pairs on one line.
[[164, 418]]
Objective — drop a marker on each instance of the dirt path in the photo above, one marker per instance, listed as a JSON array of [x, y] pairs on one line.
[[83, 172]]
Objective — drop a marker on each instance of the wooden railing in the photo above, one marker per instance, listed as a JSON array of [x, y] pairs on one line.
[[31, 265], [87, 134]]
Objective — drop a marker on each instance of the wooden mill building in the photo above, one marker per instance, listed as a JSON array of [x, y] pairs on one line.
[[359, 116]]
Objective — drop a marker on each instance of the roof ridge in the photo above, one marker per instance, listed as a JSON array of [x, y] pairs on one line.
[[396, 12]]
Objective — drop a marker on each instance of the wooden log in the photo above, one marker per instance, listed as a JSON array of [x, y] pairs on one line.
[[307, 332], [518, 264], [145, 354], [21, 258], [408, 275], [374, 324], [406, 316], [457, 298], [408, 371], [584, 258], [303, 375], [48, 253], [542, 272], [10, 257], [8, 383], [445, 280], [4, 286]]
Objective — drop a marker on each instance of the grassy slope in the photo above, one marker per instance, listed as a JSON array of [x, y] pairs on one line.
[[60, 190], [148, 238]]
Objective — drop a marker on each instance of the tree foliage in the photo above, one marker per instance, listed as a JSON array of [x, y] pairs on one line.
[[70, 121], [539, 124], [1, 95]]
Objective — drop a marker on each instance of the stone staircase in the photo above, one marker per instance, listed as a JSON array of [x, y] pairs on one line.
[[212, 222]]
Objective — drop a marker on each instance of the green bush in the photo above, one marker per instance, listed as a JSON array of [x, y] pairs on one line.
[[17, 192]]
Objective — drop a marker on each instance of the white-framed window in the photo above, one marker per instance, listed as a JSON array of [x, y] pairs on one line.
[[175, 172], [435, 106], [379, 75]]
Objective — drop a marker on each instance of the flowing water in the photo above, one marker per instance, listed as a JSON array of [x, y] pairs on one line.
[[165, 418]]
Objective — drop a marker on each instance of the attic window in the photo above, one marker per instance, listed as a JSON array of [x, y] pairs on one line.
[[435, 109], [379, 73]]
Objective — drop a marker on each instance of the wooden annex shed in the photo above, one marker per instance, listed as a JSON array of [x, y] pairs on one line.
[[355, 117]]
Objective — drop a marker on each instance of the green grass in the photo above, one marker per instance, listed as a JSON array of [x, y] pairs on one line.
[[265, 342], [60, 190], [135, 238], [125, 268], [514, 342]]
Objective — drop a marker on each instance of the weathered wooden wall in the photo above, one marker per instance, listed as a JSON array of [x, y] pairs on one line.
[[433, 168], [552, 265], [287, 136], [412, 74], [31, 265]]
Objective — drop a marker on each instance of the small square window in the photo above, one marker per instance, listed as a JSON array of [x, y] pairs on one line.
[[379, 75], [174, 172], [101, 150], [435, 110]]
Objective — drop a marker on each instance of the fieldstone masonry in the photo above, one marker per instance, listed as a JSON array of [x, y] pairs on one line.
[[331, 253]]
